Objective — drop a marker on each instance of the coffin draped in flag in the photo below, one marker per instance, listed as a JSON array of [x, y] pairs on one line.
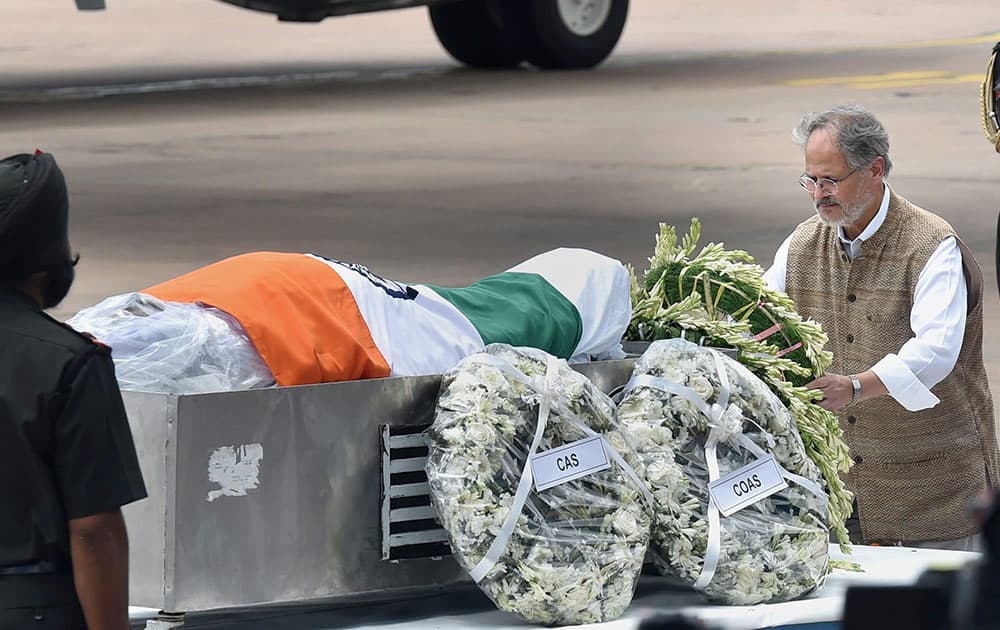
[[266, 318]]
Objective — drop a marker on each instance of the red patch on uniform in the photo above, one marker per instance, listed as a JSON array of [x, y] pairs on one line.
[[102, 346]]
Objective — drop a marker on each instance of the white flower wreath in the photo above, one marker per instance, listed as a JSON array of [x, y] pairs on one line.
[[569, 554], [687, 408]]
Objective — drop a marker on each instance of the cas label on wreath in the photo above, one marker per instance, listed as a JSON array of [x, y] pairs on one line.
[[747, 485], [568, 462]]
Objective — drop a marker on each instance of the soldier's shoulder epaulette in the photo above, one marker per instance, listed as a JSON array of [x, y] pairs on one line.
[[103, 348]]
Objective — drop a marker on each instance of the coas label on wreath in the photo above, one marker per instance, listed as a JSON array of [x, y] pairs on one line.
[[568, 462], [747, 485]]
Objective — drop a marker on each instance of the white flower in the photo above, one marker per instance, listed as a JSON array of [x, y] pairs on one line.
[[463, 383], [480, 433], [625, 523], [701, 386], [662, 473], [617, 441], [577, 548], [772, 550]]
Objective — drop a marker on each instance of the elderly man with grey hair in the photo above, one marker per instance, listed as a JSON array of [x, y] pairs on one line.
[[900, 296]]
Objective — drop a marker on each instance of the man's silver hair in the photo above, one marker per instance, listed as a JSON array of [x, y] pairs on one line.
[[860, 135]]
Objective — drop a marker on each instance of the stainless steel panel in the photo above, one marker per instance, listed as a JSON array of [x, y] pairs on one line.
[[417, 538], [311, 527], [414, 464], [415, 440], [153, 420], [409, 490], [607, 375], [412, 514], [303, 522]]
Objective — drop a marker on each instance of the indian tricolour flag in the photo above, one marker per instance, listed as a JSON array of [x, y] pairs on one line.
[[315, 320]]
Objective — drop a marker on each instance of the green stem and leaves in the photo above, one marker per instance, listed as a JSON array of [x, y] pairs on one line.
[[719, 298]]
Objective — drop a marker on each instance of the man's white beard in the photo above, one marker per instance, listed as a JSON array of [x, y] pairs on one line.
[[849, 213]]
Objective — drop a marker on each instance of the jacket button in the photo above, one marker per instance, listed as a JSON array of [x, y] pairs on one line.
[[851, 419], [851, 297], [850, 338], [843, 257], [858, 459]]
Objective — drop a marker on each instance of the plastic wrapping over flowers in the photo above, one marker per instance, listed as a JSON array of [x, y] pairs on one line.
[[720, 296], [694, 416], [568, 554], [172, 347]]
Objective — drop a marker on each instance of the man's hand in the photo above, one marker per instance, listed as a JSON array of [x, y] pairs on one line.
[[837, 391]]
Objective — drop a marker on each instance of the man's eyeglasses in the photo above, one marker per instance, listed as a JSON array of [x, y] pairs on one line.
[[810, 184]]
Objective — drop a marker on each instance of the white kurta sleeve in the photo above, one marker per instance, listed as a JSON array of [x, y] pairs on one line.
[[938, 323], [774, 277]]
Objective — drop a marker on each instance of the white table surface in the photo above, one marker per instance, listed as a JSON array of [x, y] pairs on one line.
[[881, 565]]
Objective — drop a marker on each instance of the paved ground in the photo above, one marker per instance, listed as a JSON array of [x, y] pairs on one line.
[[358, 138]]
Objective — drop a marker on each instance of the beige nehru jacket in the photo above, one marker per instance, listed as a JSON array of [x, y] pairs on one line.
[[915, 473]]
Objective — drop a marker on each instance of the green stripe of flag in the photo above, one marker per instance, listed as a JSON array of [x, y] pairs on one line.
[[520, 309]]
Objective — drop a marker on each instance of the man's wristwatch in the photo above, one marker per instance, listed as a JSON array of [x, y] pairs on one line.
[[856, 382]]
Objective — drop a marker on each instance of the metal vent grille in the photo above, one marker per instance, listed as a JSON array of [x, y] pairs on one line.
[[409, 526]]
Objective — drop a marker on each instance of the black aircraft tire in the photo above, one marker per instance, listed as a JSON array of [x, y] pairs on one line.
[[474, 32], [550, 42]]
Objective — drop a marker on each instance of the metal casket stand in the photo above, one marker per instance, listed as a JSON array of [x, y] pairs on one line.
[[290, 494]]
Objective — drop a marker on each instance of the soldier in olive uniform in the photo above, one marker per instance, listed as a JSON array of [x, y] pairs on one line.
[[67, 460]]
